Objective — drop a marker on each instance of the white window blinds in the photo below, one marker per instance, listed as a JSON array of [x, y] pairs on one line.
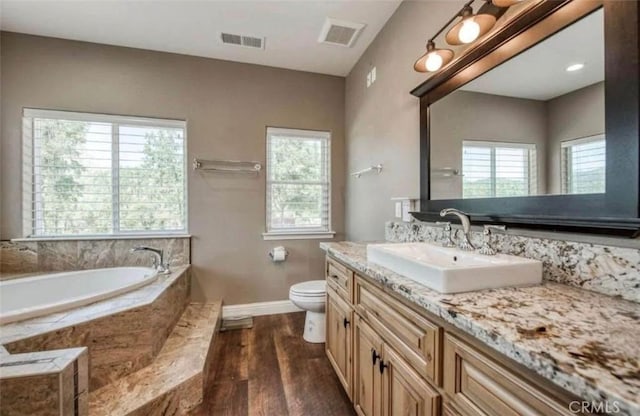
[[497, 169], [92, 174], [584, 165], [298, 181]]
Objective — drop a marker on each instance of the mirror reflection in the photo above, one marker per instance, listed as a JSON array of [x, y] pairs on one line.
[[531, 126]]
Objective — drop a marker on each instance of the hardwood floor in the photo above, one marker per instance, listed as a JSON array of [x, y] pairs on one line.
[[270, 370]]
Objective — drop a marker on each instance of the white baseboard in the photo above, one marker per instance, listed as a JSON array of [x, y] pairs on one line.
[[259, 308]]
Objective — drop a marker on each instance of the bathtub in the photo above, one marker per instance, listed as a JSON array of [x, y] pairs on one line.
[[30, 297]]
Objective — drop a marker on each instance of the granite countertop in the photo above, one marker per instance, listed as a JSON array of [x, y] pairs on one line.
[[585, 342]]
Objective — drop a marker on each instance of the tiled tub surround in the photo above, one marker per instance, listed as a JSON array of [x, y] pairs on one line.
[[584, 342], [610, 270], [24, 257], [123, 334], [47, 383]]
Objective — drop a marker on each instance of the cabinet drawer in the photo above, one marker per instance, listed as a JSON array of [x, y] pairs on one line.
[[414, 337], [477, 385], [340, 279]]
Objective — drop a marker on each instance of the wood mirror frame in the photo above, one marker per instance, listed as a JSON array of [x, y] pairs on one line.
[[617, 211]]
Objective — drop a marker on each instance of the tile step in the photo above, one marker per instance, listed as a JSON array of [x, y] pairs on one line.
[[174, 382]]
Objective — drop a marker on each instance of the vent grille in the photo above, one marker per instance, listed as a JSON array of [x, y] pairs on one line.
[[242, 40], [340, 32]]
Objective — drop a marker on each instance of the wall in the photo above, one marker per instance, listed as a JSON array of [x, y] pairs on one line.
[[382, 122], [227, 107], [466, 115], [574, 115]]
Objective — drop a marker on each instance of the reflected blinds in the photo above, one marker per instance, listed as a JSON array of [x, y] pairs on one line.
[[583, 165], [497, 169]]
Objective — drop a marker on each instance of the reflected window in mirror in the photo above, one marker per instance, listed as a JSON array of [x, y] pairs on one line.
[[498, 169], [520, 128], [584, 165]]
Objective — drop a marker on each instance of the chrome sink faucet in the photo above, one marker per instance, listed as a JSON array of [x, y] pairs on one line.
[[464, 243], [158, 258]]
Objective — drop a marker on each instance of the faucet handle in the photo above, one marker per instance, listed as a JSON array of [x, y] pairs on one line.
[[486, 248], [446, 241], [489, 227]]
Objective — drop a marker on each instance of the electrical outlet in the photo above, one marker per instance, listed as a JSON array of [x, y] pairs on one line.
[[373, 75]]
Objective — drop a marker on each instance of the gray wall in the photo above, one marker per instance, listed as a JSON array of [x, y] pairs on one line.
[[574, 115], [227, 107], [382, 122], [466, 115]]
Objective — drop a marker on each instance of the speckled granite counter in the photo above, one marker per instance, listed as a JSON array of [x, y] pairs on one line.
[[590, 344]]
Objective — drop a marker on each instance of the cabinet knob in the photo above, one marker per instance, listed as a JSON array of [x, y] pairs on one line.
[[345, 322], [374, 356]]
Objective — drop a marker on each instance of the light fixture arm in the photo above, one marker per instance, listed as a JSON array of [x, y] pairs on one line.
[[466, 6]]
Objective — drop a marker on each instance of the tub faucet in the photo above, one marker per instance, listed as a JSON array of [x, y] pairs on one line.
[[464, 243], [158, 258]]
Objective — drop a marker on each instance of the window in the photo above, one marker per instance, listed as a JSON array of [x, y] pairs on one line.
[[92, 174], [583, 165], [495, 169], [298, 184]]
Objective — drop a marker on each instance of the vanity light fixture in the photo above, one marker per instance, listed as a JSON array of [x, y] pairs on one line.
[[434, 59], [470, 27], [574, 67]]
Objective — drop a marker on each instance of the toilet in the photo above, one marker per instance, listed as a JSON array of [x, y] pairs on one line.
[[310, 296]]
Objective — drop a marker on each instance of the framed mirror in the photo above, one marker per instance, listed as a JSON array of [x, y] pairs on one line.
[[537, 125]]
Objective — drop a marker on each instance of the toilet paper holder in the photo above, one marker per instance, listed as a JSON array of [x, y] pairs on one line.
[[286, 254]]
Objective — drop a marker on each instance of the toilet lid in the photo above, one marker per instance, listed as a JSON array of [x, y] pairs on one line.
[[312, 287]]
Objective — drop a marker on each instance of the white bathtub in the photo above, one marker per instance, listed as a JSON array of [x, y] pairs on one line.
[[30, 297]]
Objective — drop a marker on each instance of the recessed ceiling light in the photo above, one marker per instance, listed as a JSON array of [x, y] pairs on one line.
[[574, 67]]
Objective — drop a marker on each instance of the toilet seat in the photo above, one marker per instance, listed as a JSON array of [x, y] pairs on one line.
[[310, 289]]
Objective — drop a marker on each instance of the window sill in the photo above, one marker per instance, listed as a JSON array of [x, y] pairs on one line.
[[100, 237], [318, 235]]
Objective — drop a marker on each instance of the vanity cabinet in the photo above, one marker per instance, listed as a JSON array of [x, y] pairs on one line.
[[395, 360]]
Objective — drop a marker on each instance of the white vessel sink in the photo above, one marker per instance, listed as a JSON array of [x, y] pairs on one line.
[[450, 270]]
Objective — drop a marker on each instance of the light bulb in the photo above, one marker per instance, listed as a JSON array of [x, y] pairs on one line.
[[434, 62], [469, 31]]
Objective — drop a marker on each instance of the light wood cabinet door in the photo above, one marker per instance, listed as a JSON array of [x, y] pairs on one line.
[[479, 386], [404, 392], [367, 377], [339, 338]]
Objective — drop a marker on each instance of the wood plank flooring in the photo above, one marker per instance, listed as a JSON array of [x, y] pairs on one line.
[[270, 370]]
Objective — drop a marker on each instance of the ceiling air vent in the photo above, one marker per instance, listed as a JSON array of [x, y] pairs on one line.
[[242, 40], [340, 32]]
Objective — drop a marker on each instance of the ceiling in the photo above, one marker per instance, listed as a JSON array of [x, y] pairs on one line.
[[540, 73], [191, 27]]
